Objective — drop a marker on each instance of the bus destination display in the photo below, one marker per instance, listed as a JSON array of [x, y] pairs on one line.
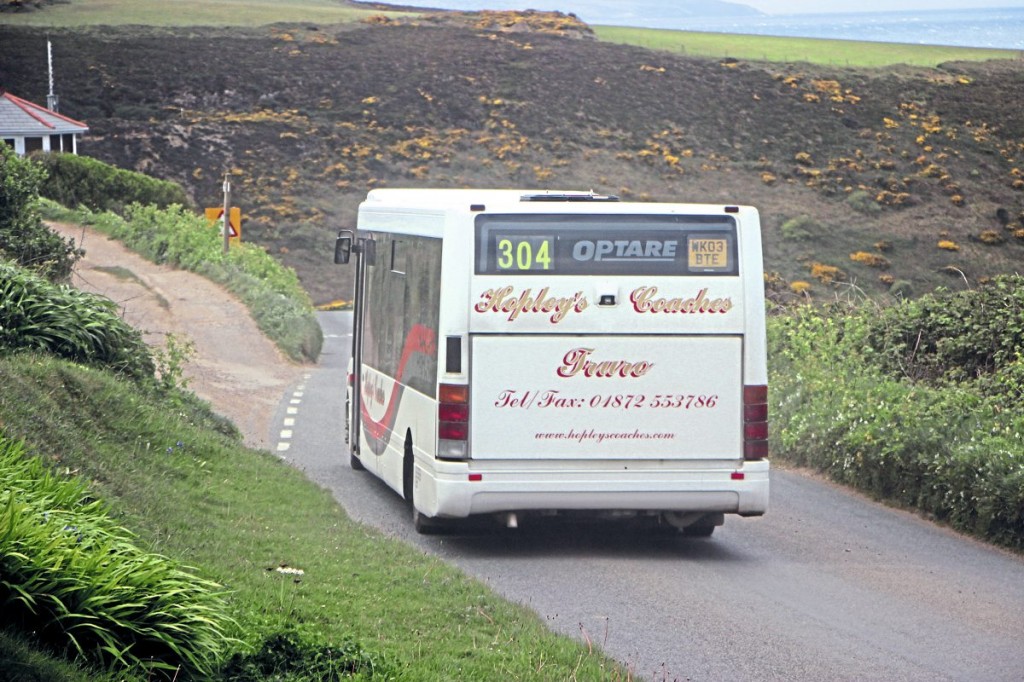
[[524, 253], [610, 246]]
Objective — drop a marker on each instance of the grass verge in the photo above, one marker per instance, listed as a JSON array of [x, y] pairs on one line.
[[785, 49], [295, 568]]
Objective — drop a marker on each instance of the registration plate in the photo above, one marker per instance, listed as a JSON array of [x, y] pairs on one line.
[[708, 254]]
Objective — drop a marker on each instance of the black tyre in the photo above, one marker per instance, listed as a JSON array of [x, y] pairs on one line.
[[702, 529], [355, 462], [426, 525]]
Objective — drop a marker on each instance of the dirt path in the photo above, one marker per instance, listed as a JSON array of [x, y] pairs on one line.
[[234, 367]]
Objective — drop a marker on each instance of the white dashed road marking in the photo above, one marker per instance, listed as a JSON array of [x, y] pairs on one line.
[[285, 435]]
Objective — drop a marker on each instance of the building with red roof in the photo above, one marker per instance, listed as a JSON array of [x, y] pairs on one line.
[[28, 127]]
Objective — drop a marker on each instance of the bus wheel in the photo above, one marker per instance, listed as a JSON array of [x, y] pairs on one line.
[[407, 472], [426, 525], [701, 529], [355, 462]]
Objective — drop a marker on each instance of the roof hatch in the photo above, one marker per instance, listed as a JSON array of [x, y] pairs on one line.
[[568, 196]]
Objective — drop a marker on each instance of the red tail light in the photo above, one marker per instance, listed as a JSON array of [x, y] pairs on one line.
[[447, 412], [453, 394], [755, 422], [453, 431], [453, 421]]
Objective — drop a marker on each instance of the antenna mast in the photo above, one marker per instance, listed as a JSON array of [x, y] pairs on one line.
[[52, 102]]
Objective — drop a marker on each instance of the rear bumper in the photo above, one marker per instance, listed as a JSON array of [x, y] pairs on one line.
[[655, 486]]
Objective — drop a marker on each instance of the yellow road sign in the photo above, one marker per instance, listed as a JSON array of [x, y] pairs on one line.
[[216, 215]]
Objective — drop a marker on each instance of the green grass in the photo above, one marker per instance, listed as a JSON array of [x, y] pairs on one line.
[[784, 49], [83, 327], [22, 660], [189, 13], [76, 579], [197, 496]]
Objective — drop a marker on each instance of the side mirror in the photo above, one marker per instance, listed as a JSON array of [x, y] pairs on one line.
[[342, 250]]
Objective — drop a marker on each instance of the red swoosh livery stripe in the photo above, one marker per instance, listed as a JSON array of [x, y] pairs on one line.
[[422, 340]]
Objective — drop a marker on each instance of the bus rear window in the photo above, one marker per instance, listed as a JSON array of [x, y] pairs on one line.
[[605, 245]]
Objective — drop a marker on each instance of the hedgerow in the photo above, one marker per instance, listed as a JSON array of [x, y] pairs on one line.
[[948, 446], [75, 181], [23, 236], [959, 336]]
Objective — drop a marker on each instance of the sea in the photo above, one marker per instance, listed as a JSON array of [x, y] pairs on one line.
[[996, 28]]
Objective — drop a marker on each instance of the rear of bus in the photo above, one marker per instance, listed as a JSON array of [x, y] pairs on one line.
[[599, 358]]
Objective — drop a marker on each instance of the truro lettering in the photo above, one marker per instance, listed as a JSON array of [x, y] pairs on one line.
[[577, 362], [645, 300], [502, 301]]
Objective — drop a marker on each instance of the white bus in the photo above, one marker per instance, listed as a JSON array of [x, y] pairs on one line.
[[519, 354]]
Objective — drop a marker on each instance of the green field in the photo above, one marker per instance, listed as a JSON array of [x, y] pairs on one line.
[[780, 49], [189, 13]]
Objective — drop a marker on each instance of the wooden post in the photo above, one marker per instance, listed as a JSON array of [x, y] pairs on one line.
[[227, 213]]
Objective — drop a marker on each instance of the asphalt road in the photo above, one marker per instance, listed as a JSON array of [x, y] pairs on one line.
[[826, 586]]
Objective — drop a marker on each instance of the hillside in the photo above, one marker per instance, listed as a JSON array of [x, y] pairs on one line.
[[882, 165]]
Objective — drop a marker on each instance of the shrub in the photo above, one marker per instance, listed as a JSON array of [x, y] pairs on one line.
[[991, 237], [800, 228], [901, 289], [803, 158], [950, 449], [287, 656], [827, 273], [862, 202], [82, 181], [58, 319], [77, 581], [953, 337], [873, 260], [800, 288], [23, 236]]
